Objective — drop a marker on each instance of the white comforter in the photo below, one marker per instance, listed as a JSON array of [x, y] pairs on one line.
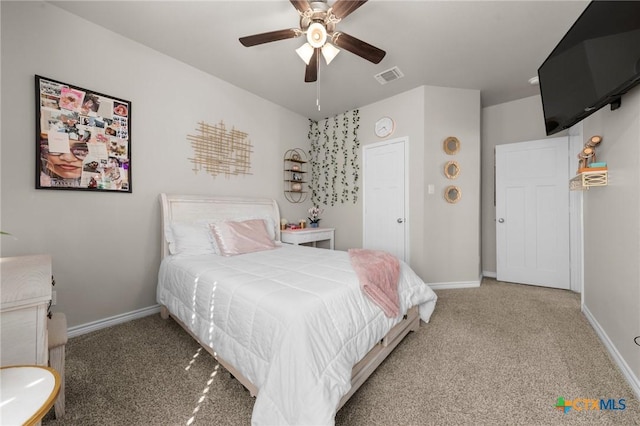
[[293, 320]]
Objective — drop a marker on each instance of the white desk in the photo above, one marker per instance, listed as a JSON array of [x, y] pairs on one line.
[[27, 393], [308, 235]]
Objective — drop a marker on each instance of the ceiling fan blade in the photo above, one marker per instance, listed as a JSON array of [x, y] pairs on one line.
[[358, 47], [262, 38], [301, 5], [343, 8], [311, 73]]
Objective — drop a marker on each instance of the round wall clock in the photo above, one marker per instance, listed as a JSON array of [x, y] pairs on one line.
[[384, 127]]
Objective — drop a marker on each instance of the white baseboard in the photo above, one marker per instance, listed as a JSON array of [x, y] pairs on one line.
[[79, 330], [452, 285], [624, 368]]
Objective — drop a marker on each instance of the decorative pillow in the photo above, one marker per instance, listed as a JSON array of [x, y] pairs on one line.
[[268, 221], [189, 239], [242, 237]]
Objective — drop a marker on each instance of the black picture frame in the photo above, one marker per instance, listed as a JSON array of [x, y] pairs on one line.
[[83, 139]]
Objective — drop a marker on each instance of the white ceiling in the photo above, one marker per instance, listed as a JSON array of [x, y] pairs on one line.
[[493, 46]]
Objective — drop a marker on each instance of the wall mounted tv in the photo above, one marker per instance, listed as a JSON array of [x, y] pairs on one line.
[[595, 63]]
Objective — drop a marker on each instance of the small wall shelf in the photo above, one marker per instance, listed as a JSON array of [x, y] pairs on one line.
[[586, 179], [295, 175]]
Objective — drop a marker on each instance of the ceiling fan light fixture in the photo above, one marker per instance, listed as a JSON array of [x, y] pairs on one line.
[[316, 35], [329, 51], [305, 52], [318, 23]]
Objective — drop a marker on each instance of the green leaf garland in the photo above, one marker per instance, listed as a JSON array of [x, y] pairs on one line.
[[335, 170]]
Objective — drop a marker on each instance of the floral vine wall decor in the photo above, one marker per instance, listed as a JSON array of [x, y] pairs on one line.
[[335, 171], [219, 151]]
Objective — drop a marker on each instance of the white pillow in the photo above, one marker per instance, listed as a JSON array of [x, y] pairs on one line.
[[189, 238]]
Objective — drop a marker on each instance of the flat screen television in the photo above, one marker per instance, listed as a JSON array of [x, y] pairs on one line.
[[595, 63]]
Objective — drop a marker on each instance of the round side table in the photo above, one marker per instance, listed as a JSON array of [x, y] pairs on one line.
[[27, 393]]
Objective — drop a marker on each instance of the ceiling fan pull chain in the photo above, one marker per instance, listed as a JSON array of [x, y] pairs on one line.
[[318, 86]]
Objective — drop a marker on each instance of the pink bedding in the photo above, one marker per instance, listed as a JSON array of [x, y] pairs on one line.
[[378, 273]]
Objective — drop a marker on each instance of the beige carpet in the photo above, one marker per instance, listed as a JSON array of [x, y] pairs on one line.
[[500, 354]]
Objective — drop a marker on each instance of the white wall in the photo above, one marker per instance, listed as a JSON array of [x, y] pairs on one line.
[[612, 231], [105, 246], [406, 110], [444, 238], [611, 293], [452, 231]]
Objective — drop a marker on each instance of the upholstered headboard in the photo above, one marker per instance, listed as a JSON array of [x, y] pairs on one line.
[[197, 208]]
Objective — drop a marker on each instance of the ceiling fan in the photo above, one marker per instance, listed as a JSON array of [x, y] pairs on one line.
[[318, 22]]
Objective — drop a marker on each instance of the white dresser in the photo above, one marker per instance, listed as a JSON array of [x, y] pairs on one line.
[[25, 292]]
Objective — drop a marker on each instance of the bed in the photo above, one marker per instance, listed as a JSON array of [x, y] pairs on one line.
[[291, 323]]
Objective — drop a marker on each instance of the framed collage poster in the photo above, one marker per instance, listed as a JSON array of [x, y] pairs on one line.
[[83, 139]]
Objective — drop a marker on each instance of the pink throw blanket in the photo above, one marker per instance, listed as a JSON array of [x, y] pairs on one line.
[[378, 273]]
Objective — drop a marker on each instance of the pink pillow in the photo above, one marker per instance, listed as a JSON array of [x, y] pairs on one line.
[[242, 237]]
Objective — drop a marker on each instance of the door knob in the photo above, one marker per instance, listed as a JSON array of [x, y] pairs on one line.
[[501, 220], [400, 220]]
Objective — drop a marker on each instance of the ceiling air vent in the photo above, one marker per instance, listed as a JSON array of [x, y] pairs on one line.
[[389, 75]]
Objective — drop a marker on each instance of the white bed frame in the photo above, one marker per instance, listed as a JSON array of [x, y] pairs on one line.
[[195, 208]]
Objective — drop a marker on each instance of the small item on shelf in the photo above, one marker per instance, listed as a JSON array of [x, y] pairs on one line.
[[587, 157], [303, 223], [296, 187], [591, 169], [295, 167], [314, 216], [283, 223], [593, 141]]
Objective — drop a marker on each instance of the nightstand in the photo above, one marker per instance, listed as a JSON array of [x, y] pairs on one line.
[[25, 291], [308, 235]]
